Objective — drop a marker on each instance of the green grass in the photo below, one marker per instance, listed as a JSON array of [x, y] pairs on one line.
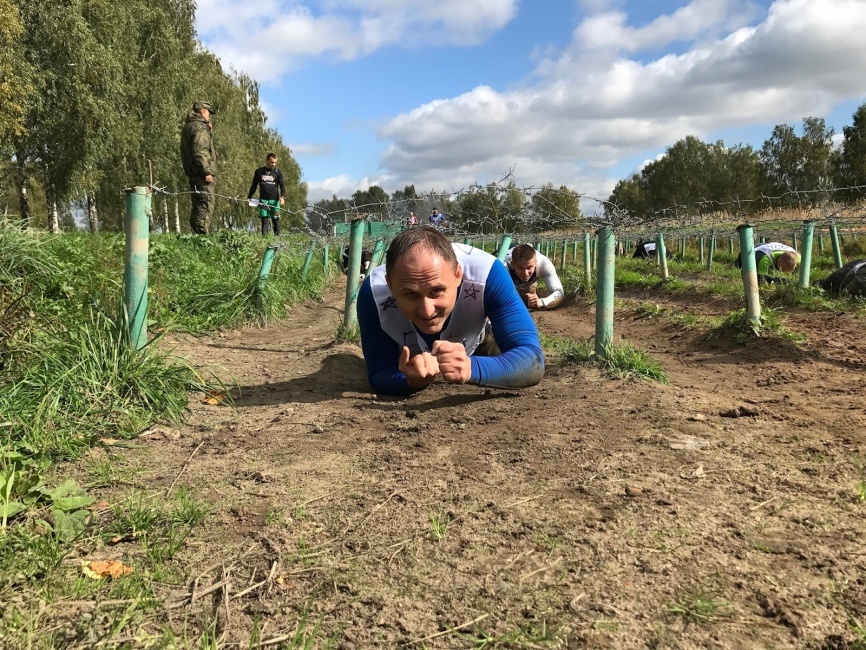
[[622, 360], [742, 329], [525, 636], [69, 378], [439, 522], [700, 607]]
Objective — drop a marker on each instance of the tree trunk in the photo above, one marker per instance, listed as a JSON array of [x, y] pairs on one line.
[[23, 201], [165, 214], [92, 213], [176, 216], [54, 219]]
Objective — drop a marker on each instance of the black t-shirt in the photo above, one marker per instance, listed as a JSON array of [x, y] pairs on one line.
[[270, 183]]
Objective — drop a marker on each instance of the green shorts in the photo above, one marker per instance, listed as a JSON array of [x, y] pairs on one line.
[[269, 209]]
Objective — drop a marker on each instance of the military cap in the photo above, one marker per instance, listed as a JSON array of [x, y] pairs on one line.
[[198, 106]]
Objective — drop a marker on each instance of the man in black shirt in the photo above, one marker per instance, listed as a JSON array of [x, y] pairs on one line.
[[272, 192]]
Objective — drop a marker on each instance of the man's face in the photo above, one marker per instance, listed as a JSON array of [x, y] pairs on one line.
[[205, 113], [435, 212], [425, 287], [524, 270], [270, 163]]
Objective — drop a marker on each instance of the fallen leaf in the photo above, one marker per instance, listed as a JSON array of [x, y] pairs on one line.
[[109, 441], [102, 505], [99, 569], [214, 398]]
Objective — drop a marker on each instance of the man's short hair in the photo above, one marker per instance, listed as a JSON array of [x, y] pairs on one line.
[[786, 262], [430, 238], [271, 155], [522, 254]]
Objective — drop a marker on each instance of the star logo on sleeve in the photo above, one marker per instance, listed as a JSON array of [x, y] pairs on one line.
[[390, 301], [471, 292]]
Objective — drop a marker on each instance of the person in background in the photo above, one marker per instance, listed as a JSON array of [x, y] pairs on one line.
[[198, 155], [423, 315], [436, 219], [272, 192], [850, 279], [527, 266], [411, 220], [771, 259]]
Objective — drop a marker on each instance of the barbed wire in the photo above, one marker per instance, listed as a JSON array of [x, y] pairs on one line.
[[485, 213]]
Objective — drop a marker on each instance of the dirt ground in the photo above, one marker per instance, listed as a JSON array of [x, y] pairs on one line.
[[584, 512]]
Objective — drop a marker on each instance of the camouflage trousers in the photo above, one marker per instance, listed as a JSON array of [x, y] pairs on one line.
[[201, 205]]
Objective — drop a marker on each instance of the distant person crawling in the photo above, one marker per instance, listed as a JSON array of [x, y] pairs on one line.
[[422, 315], [527, 266], [771, 259], [848, 280], [647, 249], [366, 260]]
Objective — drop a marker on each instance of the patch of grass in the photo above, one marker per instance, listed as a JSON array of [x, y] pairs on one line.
[[699, 607], [525, 636], [742, 329], [622, 360], [439, 522], [348, 334]]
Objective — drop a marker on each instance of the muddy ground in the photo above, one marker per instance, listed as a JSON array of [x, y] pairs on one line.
[[584, 512]]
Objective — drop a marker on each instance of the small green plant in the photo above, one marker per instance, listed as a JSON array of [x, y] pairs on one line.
[[621, 360], [347, 334], [22, 491], [439, 522], [699, 607], [525, 636], [624, 360]]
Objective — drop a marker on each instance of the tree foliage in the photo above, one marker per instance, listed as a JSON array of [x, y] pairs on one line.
[[106, 89]]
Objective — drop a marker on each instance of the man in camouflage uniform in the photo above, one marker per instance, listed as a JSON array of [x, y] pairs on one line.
[[199, 164]]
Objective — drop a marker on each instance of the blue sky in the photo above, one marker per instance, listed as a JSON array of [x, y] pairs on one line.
[[575, 92]]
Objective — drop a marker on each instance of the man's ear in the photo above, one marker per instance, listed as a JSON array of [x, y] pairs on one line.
[[388, 282], [459, 272]]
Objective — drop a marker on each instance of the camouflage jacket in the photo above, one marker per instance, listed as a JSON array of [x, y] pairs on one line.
[[196, 147]]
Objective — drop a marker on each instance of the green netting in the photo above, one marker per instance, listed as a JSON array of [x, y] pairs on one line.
[[372, 228]]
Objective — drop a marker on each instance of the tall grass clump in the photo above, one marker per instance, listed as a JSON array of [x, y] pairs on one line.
[[621, 360], [68, 375]]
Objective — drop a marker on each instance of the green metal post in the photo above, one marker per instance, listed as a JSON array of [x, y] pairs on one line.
[[564, 253], [587, 257], [711, 252], [376, 257], [353, 273], [662, 255], [503, 248], [467, 241], [837, 250], [821, 243], [730, 245], [555, 249], [682, 248], [604, 293], [749, 273], [794, 239], [308, 260], [265, 268], [806, 254], [701, 256], [574, 253], [325, 268], [763, 240], [136, 228]]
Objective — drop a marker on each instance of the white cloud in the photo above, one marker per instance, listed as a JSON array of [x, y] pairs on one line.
[[593, 104], [266, 38], [341, 185], [313, 148]]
